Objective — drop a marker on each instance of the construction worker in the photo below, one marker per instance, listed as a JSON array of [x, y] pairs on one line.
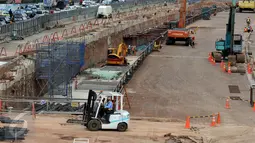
[[108, 108], [133, 50], [129, 49], [248, 21], [245, 29], [250, 29]]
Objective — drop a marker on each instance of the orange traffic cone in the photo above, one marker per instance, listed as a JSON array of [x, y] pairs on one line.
[[218, 118], [213, 124], [187, 125], [249, 68], [213, 62], [227, 106], [253, 106], [209, 57], [222, 63], [224, 68], [229, 69]]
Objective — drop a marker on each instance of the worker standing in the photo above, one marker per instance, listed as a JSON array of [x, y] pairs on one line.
[[248, 21], [129, 49], [108, 108]]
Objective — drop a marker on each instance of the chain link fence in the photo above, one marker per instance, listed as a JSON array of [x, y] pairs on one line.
[[35, 25]]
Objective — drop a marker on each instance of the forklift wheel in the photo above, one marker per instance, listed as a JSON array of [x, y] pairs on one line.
[[94, 125], [122, 127]]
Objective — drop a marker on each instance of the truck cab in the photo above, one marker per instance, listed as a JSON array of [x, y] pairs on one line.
[[104, 11]]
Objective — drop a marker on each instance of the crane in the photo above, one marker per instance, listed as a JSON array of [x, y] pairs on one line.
[[230, 49]]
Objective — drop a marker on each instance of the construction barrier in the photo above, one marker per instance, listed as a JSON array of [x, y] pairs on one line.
[[73, 30], [18, 50], [54, 36], [27, 47], [64, 33], [96, 23], [36, 41], [3, 52], [89, 25], [46, 39], [82, 28], [213, 122]]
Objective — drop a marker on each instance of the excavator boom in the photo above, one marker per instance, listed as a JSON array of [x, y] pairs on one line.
[[182, 20]]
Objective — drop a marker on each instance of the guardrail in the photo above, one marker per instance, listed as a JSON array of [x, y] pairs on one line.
[[35, 25]]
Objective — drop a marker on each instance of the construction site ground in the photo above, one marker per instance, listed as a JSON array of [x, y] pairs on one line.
[[179, 81], [174, 83]]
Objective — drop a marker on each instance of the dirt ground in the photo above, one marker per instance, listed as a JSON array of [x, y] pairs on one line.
[[53, 128]]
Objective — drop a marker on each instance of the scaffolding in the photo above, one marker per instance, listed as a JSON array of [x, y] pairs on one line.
[[58, 63]]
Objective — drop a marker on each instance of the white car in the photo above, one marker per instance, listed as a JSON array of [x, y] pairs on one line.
[[87, 3]]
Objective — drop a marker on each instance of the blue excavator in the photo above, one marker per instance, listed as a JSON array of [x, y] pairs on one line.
[[230, 49]]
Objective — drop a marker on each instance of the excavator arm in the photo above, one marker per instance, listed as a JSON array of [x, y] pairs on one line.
[[182, 18], [122, 50], [231, 28]]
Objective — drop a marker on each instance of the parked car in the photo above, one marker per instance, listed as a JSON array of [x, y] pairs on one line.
[[4, 13], [2, 22], [30, 12], [20, 16], [6, 19], [88, 3]]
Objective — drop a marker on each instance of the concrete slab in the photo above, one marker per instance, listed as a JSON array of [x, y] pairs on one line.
[[173, 84]]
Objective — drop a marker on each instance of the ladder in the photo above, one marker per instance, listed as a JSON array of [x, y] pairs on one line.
[[81, 140]]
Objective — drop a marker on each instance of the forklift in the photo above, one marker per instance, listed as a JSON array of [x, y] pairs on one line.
[[230, 49], [118, 120]]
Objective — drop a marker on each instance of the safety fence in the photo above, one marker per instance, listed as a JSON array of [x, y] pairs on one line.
[[211, 117], [35, 25]]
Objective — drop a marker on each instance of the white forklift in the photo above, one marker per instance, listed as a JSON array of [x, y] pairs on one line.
[[118, 120]]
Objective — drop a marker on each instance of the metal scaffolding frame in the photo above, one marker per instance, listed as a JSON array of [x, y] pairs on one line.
[[58, 63]]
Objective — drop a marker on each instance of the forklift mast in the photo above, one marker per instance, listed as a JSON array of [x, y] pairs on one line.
[[231, 28], [89, 106]]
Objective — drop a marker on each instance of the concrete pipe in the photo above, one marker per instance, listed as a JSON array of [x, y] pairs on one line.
[[232, 60], [238, 69]]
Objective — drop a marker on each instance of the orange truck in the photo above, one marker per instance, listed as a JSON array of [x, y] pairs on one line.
[[180, 34]]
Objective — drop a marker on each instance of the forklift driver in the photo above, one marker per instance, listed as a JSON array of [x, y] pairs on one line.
[[108, 108]]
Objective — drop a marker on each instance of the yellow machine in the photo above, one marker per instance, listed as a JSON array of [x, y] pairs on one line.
[[117, 56], [246, 5], [157, 46]]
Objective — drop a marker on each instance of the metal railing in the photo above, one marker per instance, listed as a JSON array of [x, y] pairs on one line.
[[35, 25]]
